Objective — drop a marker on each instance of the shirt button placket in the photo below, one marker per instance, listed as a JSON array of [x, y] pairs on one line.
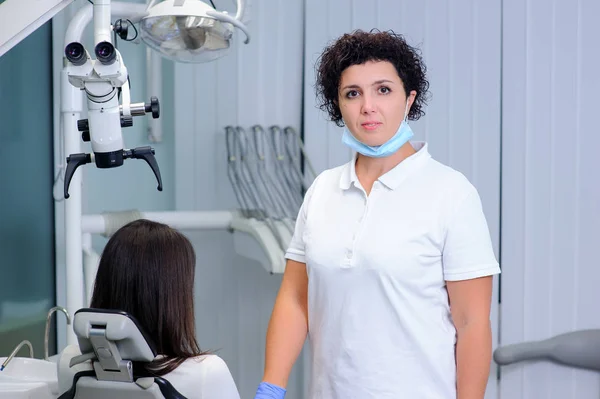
[[357, 227]]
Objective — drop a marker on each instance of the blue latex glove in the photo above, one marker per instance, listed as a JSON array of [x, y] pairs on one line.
[[269, 391]]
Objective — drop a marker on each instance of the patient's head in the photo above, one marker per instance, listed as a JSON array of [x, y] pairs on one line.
[[147, 270]]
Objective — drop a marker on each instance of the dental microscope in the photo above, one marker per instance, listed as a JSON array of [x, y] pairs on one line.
[[105, 81]]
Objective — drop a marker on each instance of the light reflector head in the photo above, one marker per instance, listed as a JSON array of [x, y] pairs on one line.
[[191, 32]]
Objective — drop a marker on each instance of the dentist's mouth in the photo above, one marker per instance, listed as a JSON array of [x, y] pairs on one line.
[[371, 126]]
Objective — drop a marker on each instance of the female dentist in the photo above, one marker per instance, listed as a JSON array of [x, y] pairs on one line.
[[390, 268]]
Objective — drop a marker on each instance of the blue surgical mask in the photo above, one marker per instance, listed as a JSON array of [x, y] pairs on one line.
[[402, 136]]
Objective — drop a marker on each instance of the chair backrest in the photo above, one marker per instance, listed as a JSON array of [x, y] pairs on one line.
[[112, 341]]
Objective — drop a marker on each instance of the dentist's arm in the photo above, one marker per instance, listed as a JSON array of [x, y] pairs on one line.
[[470, 302], [287, 329]]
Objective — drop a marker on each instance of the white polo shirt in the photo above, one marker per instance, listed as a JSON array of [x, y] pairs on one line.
[[379, 319]]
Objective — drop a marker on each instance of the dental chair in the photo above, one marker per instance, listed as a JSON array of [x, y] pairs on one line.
[[110, 342]]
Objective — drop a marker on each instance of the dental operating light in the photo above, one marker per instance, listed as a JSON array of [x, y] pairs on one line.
[[190, 31]]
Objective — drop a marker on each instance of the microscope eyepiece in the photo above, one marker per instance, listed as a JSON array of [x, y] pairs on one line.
[[105, 53], [75, 53]]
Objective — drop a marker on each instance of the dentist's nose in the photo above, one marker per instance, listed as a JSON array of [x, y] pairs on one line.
[[368, 104]]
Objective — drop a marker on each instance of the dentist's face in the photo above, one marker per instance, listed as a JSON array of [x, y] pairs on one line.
[[372, 101]]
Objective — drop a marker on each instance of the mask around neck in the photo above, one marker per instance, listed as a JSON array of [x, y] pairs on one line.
[[402, 136]]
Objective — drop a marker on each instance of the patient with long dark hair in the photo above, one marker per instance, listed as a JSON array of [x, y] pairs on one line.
[[147, 270]]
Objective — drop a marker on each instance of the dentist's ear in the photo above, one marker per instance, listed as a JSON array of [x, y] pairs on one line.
[[411, 99], [409, 102]]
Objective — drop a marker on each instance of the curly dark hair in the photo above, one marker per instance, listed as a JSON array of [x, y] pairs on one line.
[[359, 47]]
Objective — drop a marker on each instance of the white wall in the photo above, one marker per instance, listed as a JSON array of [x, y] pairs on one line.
[[461, 48], [551, 196]]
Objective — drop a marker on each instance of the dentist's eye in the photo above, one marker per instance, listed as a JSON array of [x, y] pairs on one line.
[[384, 90], [352, 94]]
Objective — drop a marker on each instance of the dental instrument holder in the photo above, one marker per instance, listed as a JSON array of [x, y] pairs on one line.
[[104, 81]]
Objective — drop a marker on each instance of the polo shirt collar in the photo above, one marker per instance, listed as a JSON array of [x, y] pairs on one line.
[[395, 176]]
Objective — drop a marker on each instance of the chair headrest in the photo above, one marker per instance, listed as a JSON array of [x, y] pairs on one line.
[[115, 327]]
